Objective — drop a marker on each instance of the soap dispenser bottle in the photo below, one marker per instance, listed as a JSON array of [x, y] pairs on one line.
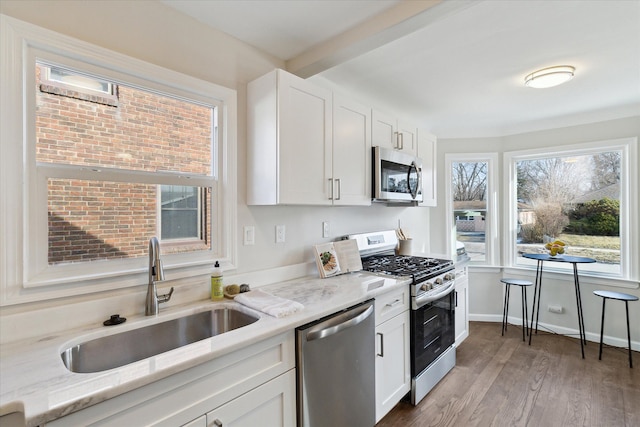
[[217, 292]]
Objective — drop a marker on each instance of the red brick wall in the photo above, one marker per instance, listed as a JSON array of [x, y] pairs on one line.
[[91, 220]]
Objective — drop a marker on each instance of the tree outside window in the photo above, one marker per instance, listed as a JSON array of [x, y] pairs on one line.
[[469, 193], [573, 198]]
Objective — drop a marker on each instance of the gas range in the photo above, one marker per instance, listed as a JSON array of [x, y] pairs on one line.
[[432, 314], [430, 276]]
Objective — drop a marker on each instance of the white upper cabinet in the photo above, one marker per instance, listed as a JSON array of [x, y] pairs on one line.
[[289, 155], [302, 149], [427, 151], [351, 178], [389, 132]]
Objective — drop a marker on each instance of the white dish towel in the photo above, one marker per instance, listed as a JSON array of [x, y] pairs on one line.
[[267, 303]]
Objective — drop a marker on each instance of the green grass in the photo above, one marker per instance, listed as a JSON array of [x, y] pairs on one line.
[[582, 241], [604, 249]]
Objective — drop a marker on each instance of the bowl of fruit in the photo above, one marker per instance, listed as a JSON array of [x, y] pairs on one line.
[[556, 248]]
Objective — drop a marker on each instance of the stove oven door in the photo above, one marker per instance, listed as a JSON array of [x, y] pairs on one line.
[[432, 331]]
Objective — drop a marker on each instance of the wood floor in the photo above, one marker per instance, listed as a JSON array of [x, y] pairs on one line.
[[501, 381]]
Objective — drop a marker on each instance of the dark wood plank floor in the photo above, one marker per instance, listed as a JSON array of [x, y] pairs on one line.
[[502, 381]]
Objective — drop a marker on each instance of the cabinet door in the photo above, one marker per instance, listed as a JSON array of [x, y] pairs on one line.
[[427, 151], [305, 157], [408, 137], [393, 370], [271, 404], [351, 153], [384, 130], [462, 307], [198, 422]]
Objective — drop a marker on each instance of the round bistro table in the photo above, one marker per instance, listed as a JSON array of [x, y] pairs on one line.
[[537, 289]]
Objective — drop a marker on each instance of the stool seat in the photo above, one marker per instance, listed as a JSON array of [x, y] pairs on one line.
[[616, 295], [605, 295], [505, 309], [517, 282]]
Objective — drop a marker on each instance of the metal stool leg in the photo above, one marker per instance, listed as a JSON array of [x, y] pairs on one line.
[[505, 309], [526, 311], [522, 293], [601, 329], [626, 305]]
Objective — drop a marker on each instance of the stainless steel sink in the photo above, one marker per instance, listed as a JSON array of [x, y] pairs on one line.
[[130, 346]]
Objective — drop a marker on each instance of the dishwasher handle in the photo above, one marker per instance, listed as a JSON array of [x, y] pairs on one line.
[[339, 323]]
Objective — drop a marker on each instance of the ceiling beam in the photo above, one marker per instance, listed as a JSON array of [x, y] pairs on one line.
[[397, 21]]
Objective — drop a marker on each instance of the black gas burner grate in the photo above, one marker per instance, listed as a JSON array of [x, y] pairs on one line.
[[402, 265]]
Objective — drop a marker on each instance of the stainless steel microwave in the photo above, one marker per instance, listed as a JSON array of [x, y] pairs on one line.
[[397, 176]]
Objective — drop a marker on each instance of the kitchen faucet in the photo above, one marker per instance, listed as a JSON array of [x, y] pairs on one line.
[[156, 274]]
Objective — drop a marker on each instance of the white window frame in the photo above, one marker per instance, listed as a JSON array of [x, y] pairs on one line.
[[492, 245], [24, 271], [629, 217]]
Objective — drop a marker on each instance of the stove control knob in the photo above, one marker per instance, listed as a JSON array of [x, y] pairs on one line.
[[439, 281], [426, 287], [449, 276]]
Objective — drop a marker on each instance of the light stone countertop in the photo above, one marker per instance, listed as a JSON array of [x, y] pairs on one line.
[[35, 381]]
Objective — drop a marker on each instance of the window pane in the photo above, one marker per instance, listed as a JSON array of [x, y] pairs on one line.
[[96, 220], [70, 78], [144, 131], [180, 207], [469, 192], [575, 199]]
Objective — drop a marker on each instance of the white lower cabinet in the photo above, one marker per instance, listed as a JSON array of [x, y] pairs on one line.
[[256, 381], [272, 404], [393, 365], [462, 305]]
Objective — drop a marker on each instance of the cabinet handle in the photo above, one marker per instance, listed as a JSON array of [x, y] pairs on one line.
[[401, 135], [391, 304], [217, 423], [381, 354], [330, 188], [339, 189], [456, 299]]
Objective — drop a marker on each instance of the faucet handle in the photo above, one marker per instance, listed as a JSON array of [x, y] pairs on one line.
[[165, 297]]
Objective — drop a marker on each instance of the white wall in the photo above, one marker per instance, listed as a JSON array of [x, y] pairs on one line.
[[485, 289], [157, 34]]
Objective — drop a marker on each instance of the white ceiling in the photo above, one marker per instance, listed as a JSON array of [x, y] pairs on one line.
[[454, 67]]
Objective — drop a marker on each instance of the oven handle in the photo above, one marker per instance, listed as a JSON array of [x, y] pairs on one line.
[[421, 301]]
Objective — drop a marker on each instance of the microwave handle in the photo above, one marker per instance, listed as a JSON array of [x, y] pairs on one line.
[[414, 192]]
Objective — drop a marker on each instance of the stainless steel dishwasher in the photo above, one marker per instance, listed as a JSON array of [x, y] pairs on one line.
[[336, 369]]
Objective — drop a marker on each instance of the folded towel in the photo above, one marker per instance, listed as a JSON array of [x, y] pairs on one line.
[[267, 303]]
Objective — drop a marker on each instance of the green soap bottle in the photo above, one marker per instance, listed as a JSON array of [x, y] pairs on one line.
[[217, 292]]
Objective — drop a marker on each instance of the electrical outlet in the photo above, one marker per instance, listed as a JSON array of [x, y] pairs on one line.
[[325, 229], [556, 309], [280, 233], [249, 233]]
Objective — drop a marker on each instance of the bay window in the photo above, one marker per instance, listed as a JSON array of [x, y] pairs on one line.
[[472, 213], [582, 195]]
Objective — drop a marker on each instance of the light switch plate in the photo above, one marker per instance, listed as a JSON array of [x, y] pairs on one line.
[[280, 230], [325, 229], [249, 233]]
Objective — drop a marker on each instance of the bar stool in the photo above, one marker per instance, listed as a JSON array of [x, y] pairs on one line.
[[505, 308], [621, 297]]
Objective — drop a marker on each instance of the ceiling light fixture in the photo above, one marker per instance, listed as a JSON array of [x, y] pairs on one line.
[[549, 77]]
